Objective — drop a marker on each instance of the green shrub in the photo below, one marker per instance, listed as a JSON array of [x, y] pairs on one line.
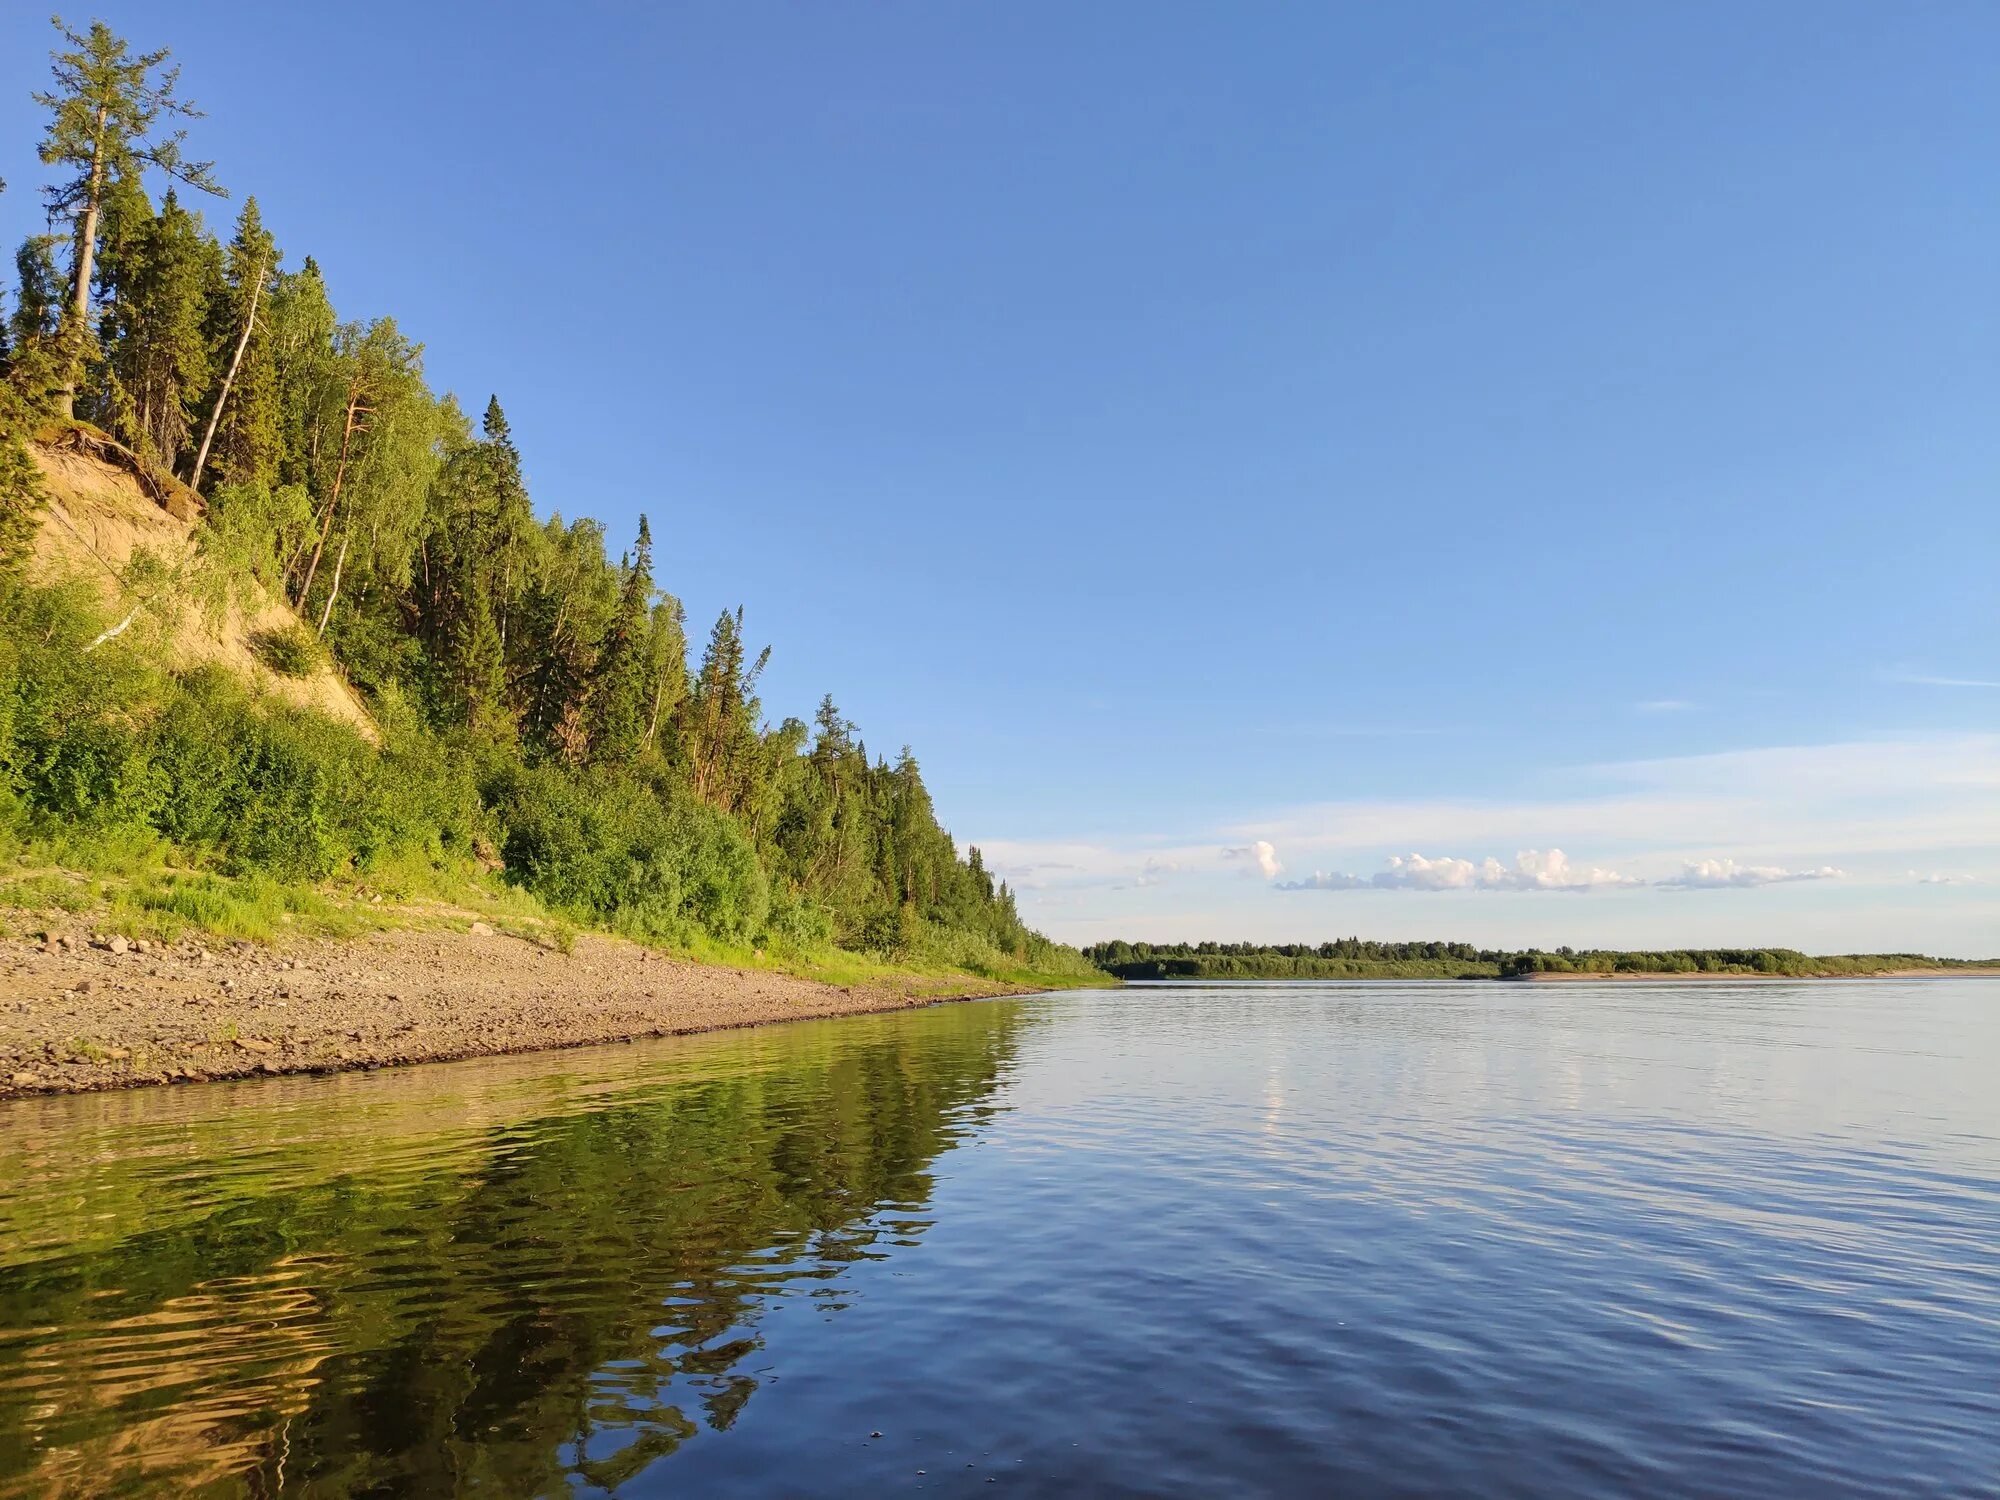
[[289, 650], [604, 847]]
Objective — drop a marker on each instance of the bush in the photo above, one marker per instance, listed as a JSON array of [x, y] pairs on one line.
[[289, 650], [797, 922], [605, 848]]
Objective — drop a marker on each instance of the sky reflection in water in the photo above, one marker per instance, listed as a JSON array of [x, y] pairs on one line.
[[1262, 1239]]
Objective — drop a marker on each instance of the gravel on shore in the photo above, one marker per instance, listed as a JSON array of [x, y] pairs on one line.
[[79, 1012]]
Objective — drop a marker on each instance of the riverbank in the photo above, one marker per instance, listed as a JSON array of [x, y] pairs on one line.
[[79, 1015]]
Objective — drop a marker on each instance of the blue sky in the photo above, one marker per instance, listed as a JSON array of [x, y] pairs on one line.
[[1449, 430]]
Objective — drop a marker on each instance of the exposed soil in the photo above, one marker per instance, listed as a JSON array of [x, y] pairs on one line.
[[104, 508], [78, 1013]]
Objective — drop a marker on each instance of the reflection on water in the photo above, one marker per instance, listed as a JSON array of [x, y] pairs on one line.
[[455, 1276], [1272, 1239]]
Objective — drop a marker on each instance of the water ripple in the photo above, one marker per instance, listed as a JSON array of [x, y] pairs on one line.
[[1269, 1240]]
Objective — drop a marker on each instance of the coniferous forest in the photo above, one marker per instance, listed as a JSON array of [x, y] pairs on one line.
[[544, 717]]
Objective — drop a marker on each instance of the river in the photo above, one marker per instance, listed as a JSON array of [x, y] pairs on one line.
[[1274, 1239]]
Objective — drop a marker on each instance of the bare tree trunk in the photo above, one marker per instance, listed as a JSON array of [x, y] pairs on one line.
[[346, 536], [653, 719], [339, 476], [222, 396], [116, 630], [86, 255]]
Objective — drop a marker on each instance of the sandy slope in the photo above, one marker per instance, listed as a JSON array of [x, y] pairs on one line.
[[74, 1016], [104, 509]]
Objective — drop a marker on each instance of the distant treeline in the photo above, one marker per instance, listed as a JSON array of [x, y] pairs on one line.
[[1355, 958], [1349, 958]]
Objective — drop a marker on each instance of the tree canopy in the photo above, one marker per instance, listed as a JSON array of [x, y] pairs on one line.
[[537, 689]]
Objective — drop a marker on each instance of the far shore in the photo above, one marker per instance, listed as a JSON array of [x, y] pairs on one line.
[[75, 1017], [1958, 971]]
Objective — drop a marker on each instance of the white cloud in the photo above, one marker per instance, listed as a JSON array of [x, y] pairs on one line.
[[1821, 803], [1319, 880], [1532, 870], [1259, 855], [1726, 874], [1938, 877], [1875, 808], [1155, 870], [1665, 706], [1536, 871]]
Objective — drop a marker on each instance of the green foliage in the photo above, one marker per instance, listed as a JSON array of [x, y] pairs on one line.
[[247, 437], [158, 363], [48, 892], [111, 117], [21, 496], [254, 908], [537, 694], [1353, 958], [605, 848], [289, 650], [1747, 961]]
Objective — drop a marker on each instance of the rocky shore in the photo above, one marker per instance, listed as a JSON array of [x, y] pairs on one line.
[[81, 1011]]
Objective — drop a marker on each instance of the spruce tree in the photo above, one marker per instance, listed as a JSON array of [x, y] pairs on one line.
[[32, 359], [156, 346], [464, 591], [482, 679], [108, 115], [620, 703]]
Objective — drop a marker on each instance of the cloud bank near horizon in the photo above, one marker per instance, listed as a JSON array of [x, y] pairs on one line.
[[1914, 814], [1533, 870]]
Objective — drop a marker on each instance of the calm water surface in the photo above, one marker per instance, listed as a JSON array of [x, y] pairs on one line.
[[1180, 1240]]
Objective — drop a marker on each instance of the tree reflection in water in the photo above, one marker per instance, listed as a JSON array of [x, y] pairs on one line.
[[513, 1276]]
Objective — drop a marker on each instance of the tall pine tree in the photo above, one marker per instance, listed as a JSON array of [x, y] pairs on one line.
[[109, 119]]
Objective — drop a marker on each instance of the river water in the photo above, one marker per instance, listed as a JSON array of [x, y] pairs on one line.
[[1286, 1239]]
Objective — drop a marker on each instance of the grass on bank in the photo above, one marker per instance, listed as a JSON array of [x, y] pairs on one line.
[[140, 891], [163, 804]]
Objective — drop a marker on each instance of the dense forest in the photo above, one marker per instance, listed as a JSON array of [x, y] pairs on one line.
[[539, 707], [1353, 958]]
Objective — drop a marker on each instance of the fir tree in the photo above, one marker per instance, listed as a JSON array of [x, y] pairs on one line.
[[620, 701], [33, 357], [156, 348]]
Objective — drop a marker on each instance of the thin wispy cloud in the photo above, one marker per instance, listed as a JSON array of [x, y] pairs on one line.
[[1926, 679], [1823, 802], [1344, 731], [1727, 874], [1665, 706], [1732, 823]]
